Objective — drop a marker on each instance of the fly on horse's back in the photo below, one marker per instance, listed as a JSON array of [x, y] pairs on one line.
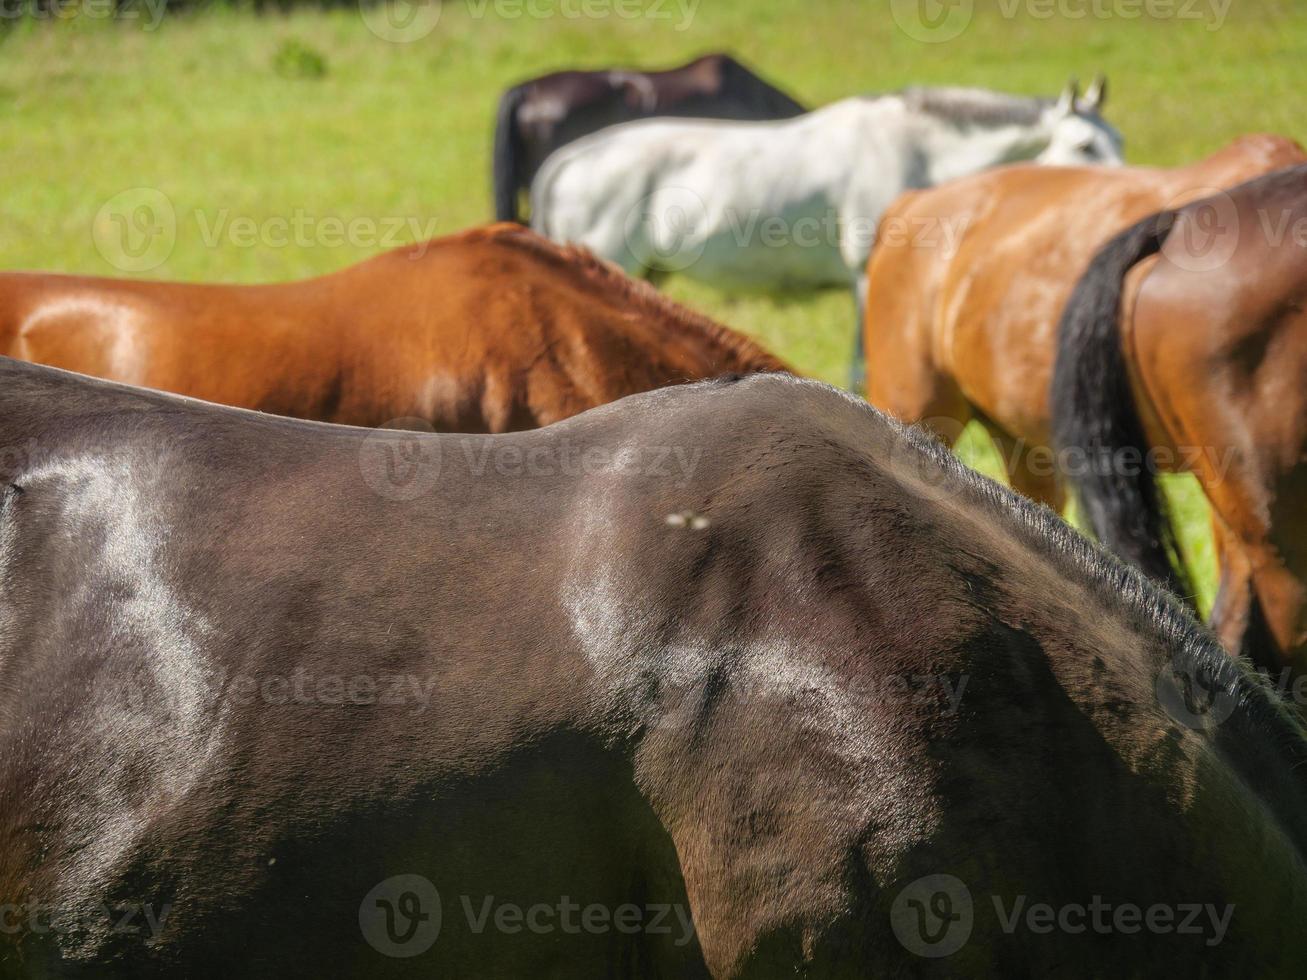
[[794, 203], [489, 330]]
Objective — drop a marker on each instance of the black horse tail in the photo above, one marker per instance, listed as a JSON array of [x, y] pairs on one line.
[[508, 155], [1096, 423]]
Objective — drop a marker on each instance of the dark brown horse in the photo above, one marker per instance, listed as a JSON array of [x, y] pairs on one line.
[[484, 331], [537, 117], [736, 680], [1198, 360]]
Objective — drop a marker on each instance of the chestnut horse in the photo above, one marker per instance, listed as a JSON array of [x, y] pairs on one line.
[[484, 331], [969, 332], [538, 116], [1204, 347], [864, 714]]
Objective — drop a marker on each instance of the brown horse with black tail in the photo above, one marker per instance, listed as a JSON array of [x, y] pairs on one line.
[[1188, 330], [266, 713], [962, 315], [538, 116], [484, 331]]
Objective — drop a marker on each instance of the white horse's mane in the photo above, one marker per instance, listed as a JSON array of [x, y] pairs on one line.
[[975, 106]]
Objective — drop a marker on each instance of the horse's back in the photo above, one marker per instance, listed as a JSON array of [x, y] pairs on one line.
[[80, 323], [718, 667], [1003, 250], [1220, 309]]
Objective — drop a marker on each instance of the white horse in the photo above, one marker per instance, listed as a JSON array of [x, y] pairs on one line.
[[794, 203]]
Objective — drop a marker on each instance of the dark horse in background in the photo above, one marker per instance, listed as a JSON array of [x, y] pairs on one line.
[[1199, 354], [737, 679], [538, 116]]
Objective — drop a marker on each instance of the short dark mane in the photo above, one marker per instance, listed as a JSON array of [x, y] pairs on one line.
[[749, 355], [1196, 652]]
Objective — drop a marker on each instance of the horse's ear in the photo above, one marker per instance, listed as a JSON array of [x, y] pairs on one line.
[[1096, 94], [1066, 103]]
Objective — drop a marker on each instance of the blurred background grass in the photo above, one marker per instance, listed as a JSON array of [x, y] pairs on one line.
[[309, 112]]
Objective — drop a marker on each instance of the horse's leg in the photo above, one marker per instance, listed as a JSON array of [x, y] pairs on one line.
[[1259, 527], [1234, 591], [858, 367], [1031, 470], [907, 384], [1279, 574]]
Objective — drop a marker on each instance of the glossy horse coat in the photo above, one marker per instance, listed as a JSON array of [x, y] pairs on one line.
[[1210, 355], [538, 116], [249, 683], [484, 331], [971, 331]]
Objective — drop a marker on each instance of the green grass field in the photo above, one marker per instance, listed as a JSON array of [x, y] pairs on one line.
[[311, 116]]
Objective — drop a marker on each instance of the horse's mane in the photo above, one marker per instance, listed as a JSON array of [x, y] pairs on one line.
[[975, 106], [579, 261], [1195, 651]]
